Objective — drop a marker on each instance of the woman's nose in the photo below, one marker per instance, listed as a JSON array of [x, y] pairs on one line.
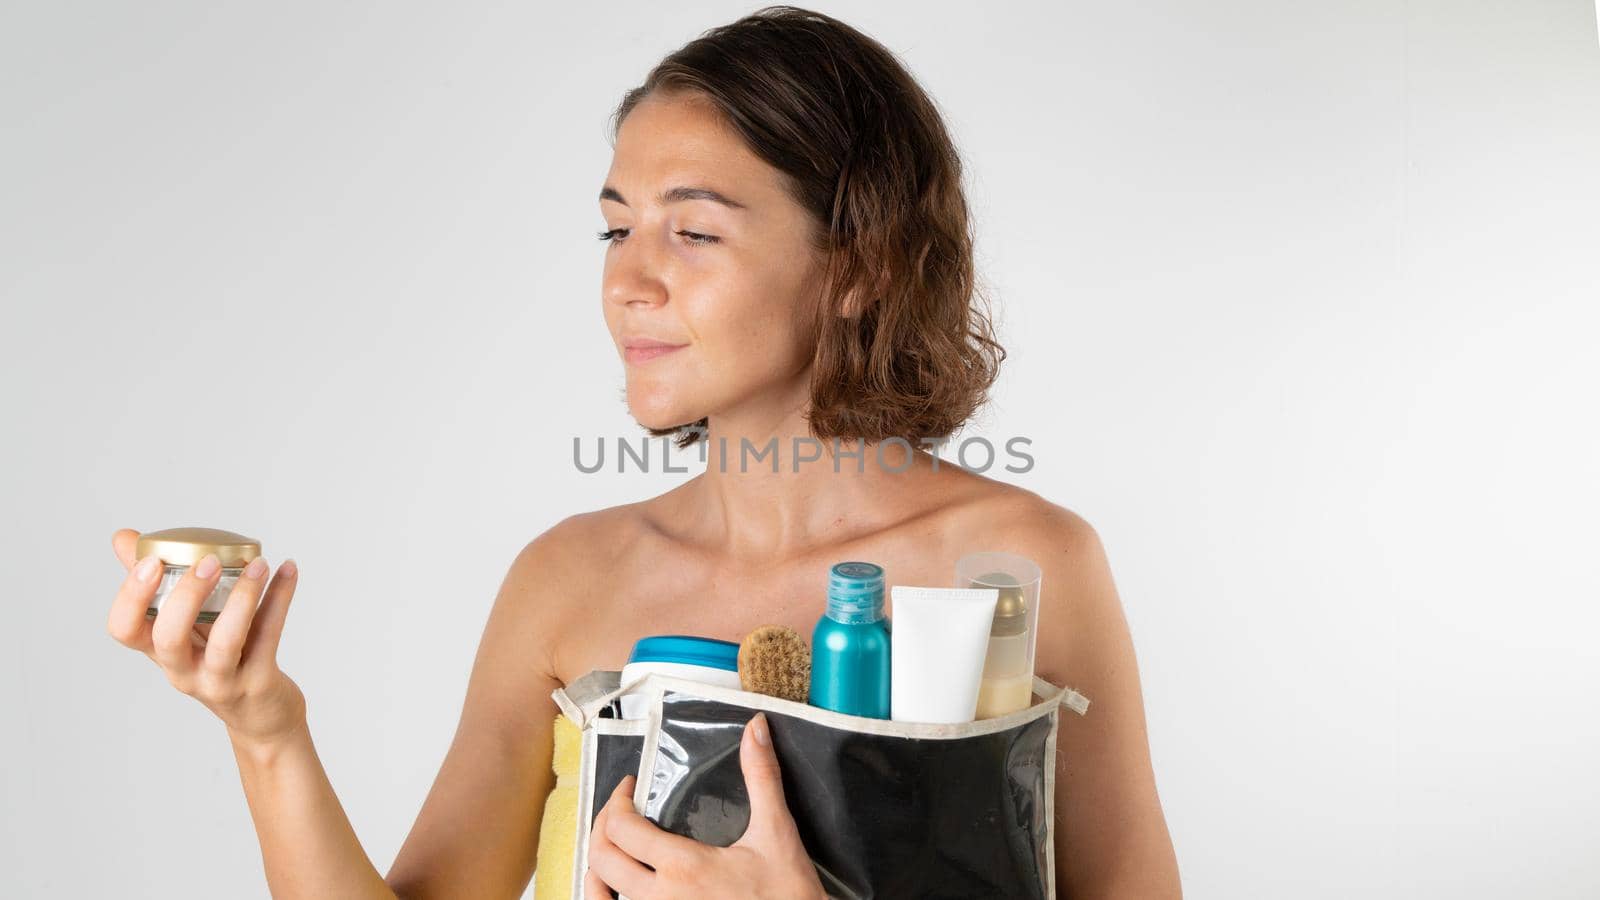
[[632, 278], [634, 292]]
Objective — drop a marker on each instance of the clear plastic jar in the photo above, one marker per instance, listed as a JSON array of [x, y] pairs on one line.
[[180, 548], [1007, 684]]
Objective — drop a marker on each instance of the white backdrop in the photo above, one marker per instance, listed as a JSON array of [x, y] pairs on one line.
[[1301, 305]]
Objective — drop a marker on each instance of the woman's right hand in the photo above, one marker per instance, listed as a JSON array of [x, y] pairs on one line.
[[229, 665]]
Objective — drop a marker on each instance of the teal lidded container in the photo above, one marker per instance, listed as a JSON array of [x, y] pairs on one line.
[[850, 645], [702, 659]]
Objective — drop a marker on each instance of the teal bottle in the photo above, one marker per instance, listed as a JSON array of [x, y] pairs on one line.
[[850, 645]]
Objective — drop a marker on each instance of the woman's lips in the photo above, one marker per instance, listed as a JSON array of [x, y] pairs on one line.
[[647, 352]]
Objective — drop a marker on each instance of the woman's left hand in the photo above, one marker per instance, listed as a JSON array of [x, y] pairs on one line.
[[644, 862]]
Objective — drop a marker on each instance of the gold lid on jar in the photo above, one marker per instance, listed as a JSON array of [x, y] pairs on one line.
[[187, 546]]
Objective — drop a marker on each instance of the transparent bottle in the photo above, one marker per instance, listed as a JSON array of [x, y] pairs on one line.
[[1007, 684]]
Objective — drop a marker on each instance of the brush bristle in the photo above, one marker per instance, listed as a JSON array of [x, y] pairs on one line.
[[774, 660]]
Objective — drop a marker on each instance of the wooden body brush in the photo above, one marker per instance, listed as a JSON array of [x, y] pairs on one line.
[[775, 660]]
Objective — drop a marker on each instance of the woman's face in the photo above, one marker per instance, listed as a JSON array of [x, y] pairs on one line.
[[728, 288]]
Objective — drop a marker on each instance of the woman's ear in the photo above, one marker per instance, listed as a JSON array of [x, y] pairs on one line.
[[851, 304]]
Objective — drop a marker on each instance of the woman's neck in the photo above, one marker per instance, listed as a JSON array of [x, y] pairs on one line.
[[771, 491]]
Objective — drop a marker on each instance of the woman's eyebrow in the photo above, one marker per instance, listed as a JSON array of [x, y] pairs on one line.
[[673, 195]]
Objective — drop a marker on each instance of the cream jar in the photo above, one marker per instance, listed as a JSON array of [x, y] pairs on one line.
[[180, 548], [701, 659]]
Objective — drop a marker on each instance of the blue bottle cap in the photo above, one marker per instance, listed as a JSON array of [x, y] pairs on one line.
[[855, 592], [687, 650]]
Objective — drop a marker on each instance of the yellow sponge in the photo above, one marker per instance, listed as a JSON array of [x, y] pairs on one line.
[[558, 830]]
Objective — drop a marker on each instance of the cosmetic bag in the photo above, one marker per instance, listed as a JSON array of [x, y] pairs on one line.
[[885, 809]]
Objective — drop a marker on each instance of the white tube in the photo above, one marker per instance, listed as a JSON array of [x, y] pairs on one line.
[[938, 638]]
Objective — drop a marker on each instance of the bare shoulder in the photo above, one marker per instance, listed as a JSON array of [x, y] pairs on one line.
[[1045, 525], [1065, 545], [575, 551], [580, 544], [554, 579], [1017, 519], [1079, 606]]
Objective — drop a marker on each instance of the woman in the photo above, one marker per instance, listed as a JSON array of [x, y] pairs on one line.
[[788, 257]]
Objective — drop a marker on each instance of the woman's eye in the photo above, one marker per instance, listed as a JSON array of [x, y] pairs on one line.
[[617, 234]]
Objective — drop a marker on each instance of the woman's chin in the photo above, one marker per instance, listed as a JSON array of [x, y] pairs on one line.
[[657, 405], [658, 417]]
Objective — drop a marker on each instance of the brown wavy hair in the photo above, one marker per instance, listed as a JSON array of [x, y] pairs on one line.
[[904, 344]]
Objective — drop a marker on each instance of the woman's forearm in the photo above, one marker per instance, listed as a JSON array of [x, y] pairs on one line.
[[307, 844]]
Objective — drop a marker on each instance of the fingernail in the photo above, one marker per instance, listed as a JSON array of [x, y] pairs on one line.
[[207, 567], [758, 726], [256, 569], [146, 569], [288, 569]]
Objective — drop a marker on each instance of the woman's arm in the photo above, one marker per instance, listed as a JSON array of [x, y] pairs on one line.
[[479, 827], [230, 666], [307, 845], [478, 831], [1111, 838]]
